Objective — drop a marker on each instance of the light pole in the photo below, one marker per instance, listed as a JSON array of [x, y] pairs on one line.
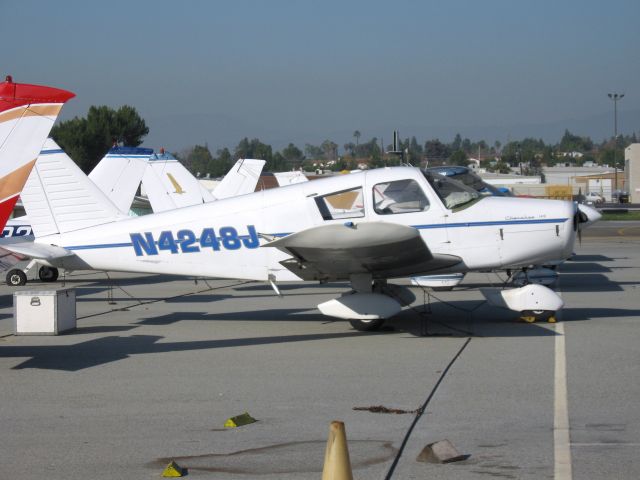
[[615, 97]]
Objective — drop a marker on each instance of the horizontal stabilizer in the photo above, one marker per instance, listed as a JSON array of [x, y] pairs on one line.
[[8, 259], [35, 250]]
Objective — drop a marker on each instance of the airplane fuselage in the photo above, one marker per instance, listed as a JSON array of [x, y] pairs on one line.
[[225, 239]]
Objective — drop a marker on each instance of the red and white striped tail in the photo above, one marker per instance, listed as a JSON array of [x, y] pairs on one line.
[[27, 113]]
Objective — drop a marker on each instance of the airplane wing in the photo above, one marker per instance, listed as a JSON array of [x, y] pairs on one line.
[[334, 252]]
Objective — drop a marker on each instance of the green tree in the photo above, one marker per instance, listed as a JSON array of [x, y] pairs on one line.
[[357, 135], [293, 155], [220, 165], [350, 148], [574, 143], [313, 152], [436, 151], [459, 157], [457, 143], [199, 160], [330, 150], [87, 140], [255, 149]]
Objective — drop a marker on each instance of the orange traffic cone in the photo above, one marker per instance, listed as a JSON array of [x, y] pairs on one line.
[[337, 465]]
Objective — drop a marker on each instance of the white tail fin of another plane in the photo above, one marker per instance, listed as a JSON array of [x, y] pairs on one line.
[[58, 197], [289, 178], [119, 174], [169, 185], [241, 179]]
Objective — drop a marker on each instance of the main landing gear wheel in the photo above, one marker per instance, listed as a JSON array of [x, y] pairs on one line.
[[48, 274], [367, 325], [16, 278]]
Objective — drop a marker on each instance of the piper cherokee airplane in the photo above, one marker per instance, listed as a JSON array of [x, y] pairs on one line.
[[366, 229]]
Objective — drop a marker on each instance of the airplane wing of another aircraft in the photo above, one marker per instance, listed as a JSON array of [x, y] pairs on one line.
[[334, 252]]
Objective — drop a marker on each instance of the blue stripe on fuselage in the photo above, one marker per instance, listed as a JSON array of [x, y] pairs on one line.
[[491, 224], [419, 227]]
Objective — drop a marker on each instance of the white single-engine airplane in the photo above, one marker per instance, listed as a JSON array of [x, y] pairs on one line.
[[365, 229]]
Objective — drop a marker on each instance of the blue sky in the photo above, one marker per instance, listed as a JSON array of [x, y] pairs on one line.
[[303, 71]]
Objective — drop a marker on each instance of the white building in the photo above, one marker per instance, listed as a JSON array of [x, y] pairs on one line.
[[632, 171]]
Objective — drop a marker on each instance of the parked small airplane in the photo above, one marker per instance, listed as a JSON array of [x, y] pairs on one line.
[[366, 228]]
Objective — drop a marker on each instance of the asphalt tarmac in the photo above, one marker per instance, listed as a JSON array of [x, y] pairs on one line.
[[157, 365]]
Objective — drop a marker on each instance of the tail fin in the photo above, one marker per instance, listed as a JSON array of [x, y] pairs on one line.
[[119, 174], [241, 179], [27, 113], [169, 185], [59, 197]]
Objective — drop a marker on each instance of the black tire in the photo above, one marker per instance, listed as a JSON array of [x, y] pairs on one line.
[[16, 278], [48, 274], [367, 325]]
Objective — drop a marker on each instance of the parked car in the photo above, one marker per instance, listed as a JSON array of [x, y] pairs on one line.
[[620, 196], [593, 197]]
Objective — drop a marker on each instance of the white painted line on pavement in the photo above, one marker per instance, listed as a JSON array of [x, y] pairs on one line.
[[561, 440], [606, 444]]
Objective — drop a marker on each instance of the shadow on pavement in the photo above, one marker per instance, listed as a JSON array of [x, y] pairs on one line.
[[110, 349]]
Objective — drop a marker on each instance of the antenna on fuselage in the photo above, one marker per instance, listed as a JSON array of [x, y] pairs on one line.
[[396, 148]]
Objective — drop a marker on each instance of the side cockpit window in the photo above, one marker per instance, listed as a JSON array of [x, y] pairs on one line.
[[399, 196], [343, 204]]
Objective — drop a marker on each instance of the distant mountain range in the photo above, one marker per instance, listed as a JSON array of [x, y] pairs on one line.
[[177, 132]]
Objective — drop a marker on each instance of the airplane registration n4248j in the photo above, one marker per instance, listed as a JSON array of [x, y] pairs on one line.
[[186, 241]]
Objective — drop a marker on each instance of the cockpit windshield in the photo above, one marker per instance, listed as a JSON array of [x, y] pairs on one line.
[[469, 178], [453, 194]]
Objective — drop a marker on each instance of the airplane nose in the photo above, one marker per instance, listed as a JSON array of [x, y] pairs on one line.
[[589, 215]]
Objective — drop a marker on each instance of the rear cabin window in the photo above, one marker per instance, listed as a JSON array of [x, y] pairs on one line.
[[399, 196], [343, 204]]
